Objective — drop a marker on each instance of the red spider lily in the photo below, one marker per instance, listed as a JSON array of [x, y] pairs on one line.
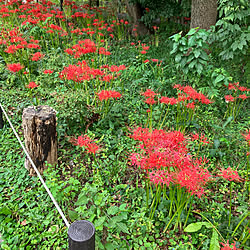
[[107, 94], [114, 68], [243, 97], [168, 100], [150, 101], [229, 247], [229, 98], [165, 158], [48, 71], [32, 85], [87, 143], [15, 67], [200, 138], [230, 174], [154, 60], [37, 56], [149, 93]]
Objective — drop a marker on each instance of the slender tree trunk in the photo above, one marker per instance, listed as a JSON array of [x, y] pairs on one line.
[[203, 13], [135, 11]]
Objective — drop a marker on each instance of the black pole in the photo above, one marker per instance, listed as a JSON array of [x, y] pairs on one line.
[[1, 119], [81, 235]]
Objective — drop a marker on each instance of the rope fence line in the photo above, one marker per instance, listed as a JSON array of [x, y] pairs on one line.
[[36, 170]]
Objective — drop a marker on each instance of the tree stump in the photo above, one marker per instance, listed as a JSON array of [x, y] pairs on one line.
[[39, 125]]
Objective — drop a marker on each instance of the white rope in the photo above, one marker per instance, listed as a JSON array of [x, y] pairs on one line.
[[37, 172]]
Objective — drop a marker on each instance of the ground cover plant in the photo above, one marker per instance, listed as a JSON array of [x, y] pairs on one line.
[[153, 132]]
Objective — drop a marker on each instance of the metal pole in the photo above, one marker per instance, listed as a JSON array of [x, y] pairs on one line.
[[81, 235], [1, 118]]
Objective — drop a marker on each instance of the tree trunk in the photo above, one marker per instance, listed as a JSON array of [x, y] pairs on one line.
[[135, 12], [39, 125], [203, 13]]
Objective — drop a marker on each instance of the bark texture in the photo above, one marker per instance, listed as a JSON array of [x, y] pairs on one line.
[[39, 125], [135, 12], [203, 13]]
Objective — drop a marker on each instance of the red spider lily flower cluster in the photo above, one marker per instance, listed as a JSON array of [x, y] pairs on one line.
[[164, 156], [80, 72], [107, 94], [87, 143], [83, 47], [199, 138], [227, 246], [32, 85], [37, 56], [48, 71], [15, 67], [236, 87], [149, 94], [230, 174], [188, 93]]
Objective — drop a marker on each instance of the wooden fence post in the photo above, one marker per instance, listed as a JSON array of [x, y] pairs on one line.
[[39, 125], [81, 235]]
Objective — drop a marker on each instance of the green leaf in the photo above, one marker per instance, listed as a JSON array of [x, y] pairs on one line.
[[216, 143], [5, 211], [191, 32], [219, 78], [82, 199], [229, 119], [214, 242], [99, 222], [194, 227], [178, 58], [73, 215], [112, 210], [191, 41], [196, 53], [123, 227]]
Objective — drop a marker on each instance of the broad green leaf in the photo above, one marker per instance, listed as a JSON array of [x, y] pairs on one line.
[[214, 242], [5, 211], [216, 143], [73, 215], [219, 78], [99, 222], [178, 58], [123, 227], [229, 119], [196, 53], [191, 32], [82, 200], [194, 227], [112, 210]]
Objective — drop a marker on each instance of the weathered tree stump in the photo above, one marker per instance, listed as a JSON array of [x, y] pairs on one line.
[[39, 125]]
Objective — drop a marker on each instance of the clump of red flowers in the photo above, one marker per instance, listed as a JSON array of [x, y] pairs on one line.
[[87, 143], [107, 94], [15, 67], [164, 157], [229, 247], [230, 174], [32, 85]]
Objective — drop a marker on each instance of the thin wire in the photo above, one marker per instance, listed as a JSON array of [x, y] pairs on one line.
[[36, 170]]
